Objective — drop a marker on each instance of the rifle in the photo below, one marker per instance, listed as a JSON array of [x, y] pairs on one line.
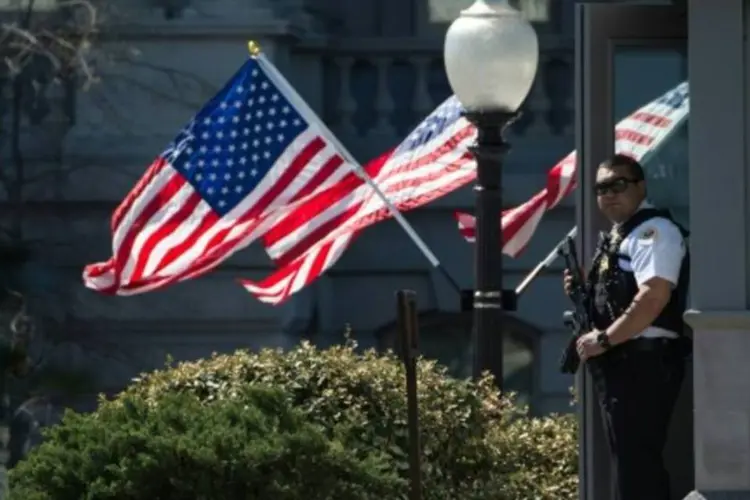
[[578, 319]]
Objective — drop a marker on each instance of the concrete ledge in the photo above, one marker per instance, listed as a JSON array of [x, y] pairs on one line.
[[722, 408], [717, 320]]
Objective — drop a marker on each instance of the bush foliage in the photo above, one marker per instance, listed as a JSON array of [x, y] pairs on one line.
[[476, 445], [251, 447]]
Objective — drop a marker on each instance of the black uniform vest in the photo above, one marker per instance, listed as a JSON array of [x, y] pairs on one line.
[[612, 289]]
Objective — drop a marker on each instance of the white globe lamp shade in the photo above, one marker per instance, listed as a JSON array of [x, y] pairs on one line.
[[491, 55]]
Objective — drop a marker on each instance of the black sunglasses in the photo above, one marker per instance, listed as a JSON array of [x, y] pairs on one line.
[[615, 186]]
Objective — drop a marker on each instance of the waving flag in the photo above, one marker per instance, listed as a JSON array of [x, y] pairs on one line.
[[250, 154], [639, 135], [431, 162]]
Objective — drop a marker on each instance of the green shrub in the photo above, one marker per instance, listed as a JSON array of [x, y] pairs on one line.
[[255, 446], [476, 445]]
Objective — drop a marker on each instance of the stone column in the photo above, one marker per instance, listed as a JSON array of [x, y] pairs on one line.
[[719, 267]]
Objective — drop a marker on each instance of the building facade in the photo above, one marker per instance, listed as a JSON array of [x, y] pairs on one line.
[[372, 70]]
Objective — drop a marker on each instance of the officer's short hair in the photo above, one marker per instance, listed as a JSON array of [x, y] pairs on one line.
[[619, 160]]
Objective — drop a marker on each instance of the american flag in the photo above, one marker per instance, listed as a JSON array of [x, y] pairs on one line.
[[638, 135], [254, 152], [431, 162]]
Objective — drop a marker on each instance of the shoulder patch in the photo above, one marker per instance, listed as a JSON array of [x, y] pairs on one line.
[[647, 235]]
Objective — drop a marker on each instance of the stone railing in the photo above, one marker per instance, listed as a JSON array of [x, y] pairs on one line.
[[375, 90]]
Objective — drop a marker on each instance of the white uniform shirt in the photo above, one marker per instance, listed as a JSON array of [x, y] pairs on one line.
[[656, 249]]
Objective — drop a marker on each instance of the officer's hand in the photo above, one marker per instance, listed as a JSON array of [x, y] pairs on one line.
[[568, 282], [588, 346]]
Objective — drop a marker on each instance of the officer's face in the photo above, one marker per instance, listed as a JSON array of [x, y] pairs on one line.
[[618, 193]]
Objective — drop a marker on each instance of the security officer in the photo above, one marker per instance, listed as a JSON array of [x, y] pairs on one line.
[[638, 286]]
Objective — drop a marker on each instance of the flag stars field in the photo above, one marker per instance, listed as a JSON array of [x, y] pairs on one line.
[[260, 116]]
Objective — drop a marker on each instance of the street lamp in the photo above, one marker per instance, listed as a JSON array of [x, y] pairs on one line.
[[491, 55]]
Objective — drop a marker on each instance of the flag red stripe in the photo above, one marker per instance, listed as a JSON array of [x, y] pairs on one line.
[[315, 236], [208, 221], [153, 170], [651, 119], [123, 253], [329, 168], [634, 137], [170, 225], [287, 177]]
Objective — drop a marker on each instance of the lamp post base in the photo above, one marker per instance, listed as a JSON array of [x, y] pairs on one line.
[[509, 300]]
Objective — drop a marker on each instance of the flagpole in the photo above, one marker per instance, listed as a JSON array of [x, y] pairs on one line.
[[299, 102], [544, 264]]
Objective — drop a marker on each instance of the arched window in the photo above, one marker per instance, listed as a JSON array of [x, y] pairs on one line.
[[446, 337]]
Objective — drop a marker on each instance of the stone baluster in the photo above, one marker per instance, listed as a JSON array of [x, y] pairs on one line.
[[568, 99], [384, 105], [558, 83], [422, 104], [346, 105], [536, 105]]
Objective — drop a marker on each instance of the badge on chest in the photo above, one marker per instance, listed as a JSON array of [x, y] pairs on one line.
[[610, 247]]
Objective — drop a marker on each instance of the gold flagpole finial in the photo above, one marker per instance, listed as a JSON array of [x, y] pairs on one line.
[[253, 48]]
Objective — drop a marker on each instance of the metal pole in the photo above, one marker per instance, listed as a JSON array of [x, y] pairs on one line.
[[544, 264], [408, 329], [489, 151]]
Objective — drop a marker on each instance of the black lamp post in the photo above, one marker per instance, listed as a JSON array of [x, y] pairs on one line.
[[491, 56]]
